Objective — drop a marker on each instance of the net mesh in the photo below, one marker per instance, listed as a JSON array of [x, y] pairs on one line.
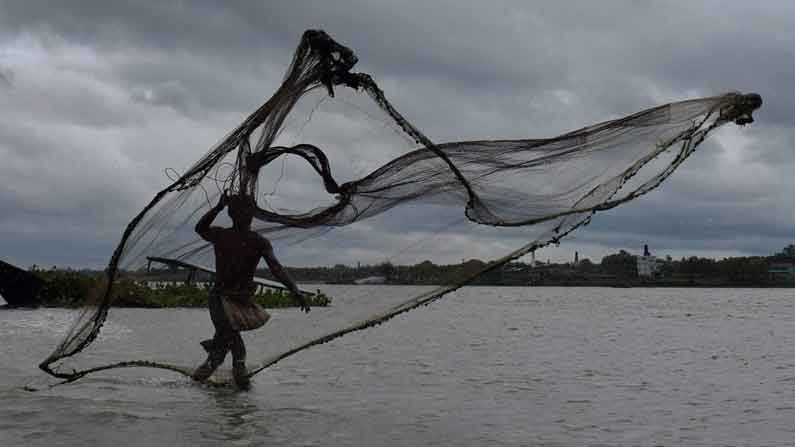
[[340, 126]]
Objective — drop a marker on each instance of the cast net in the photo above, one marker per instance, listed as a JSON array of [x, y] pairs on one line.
[[337, 127]]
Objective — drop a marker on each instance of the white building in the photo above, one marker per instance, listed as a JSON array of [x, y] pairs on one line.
[[648, 265]]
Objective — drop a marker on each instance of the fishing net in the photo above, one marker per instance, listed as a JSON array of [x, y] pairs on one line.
[[367, 160]]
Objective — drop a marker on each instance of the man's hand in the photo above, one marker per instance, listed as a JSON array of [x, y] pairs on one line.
[[203, 226]]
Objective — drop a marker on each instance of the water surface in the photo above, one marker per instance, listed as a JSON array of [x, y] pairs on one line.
[[486, 366]]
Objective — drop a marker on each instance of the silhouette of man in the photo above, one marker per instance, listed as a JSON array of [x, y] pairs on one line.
[[232, 309]]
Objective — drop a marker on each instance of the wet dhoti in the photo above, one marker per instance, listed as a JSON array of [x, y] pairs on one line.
[[235, 310]]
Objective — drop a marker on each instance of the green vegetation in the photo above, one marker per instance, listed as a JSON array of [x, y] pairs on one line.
[[621, 269], [617, 269], [130, 294], [424, 273], [71, 288], [67, 288]]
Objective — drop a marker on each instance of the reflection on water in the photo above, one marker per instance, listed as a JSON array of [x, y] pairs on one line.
[[505, 366], [236, 415]]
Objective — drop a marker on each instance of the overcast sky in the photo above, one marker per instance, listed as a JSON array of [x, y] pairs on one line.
[[98, 97]]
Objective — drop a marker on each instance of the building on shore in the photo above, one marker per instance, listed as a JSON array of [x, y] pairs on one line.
[[781, 270], [787, 252], [781, 266], [648, 266]]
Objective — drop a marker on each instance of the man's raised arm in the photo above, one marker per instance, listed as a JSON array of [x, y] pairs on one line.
[[203, 227], [281, 275]]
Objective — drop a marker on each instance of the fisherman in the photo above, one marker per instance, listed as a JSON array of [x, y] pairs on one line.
[[232, 309]]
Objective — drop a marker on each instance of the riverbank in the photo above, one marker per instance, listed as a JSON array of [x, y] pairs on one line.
[[71, 289]]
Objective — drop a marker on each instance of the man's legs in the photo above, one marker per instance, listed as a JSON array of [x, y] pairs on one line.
[[216, 349], [225, 339], [216, 353], [239, 360], [218, 346]]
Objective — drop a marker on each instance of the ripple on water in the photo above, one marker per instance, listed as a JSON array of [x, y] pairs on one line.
[[567, 367]]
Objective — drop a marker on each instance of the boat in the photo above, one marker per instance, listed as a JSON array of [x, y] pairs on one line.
[[18, 287]]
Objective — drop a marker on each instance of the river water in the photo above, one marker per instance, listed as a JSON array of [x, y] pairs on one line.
[[485, 366]]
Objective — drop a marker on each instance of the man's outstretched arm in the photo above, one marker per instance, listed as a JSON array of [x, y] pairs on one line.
[[203, 227], [281, 275]]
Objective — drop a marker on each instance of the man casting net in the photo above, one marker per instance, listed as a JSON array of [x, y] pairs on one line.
[[545, 188]]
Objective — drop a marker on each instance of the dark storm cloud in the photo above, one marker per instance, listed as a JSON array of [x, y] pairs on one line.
[[99, 97], [5, 77]]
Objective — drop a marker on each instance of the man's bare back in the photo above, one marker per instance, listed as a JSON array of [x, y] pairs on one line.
[[238, 249], [237, 254]]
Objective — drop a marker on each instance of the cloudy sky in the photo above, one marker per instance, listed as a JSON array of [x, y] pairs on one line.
[[97, 98]]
